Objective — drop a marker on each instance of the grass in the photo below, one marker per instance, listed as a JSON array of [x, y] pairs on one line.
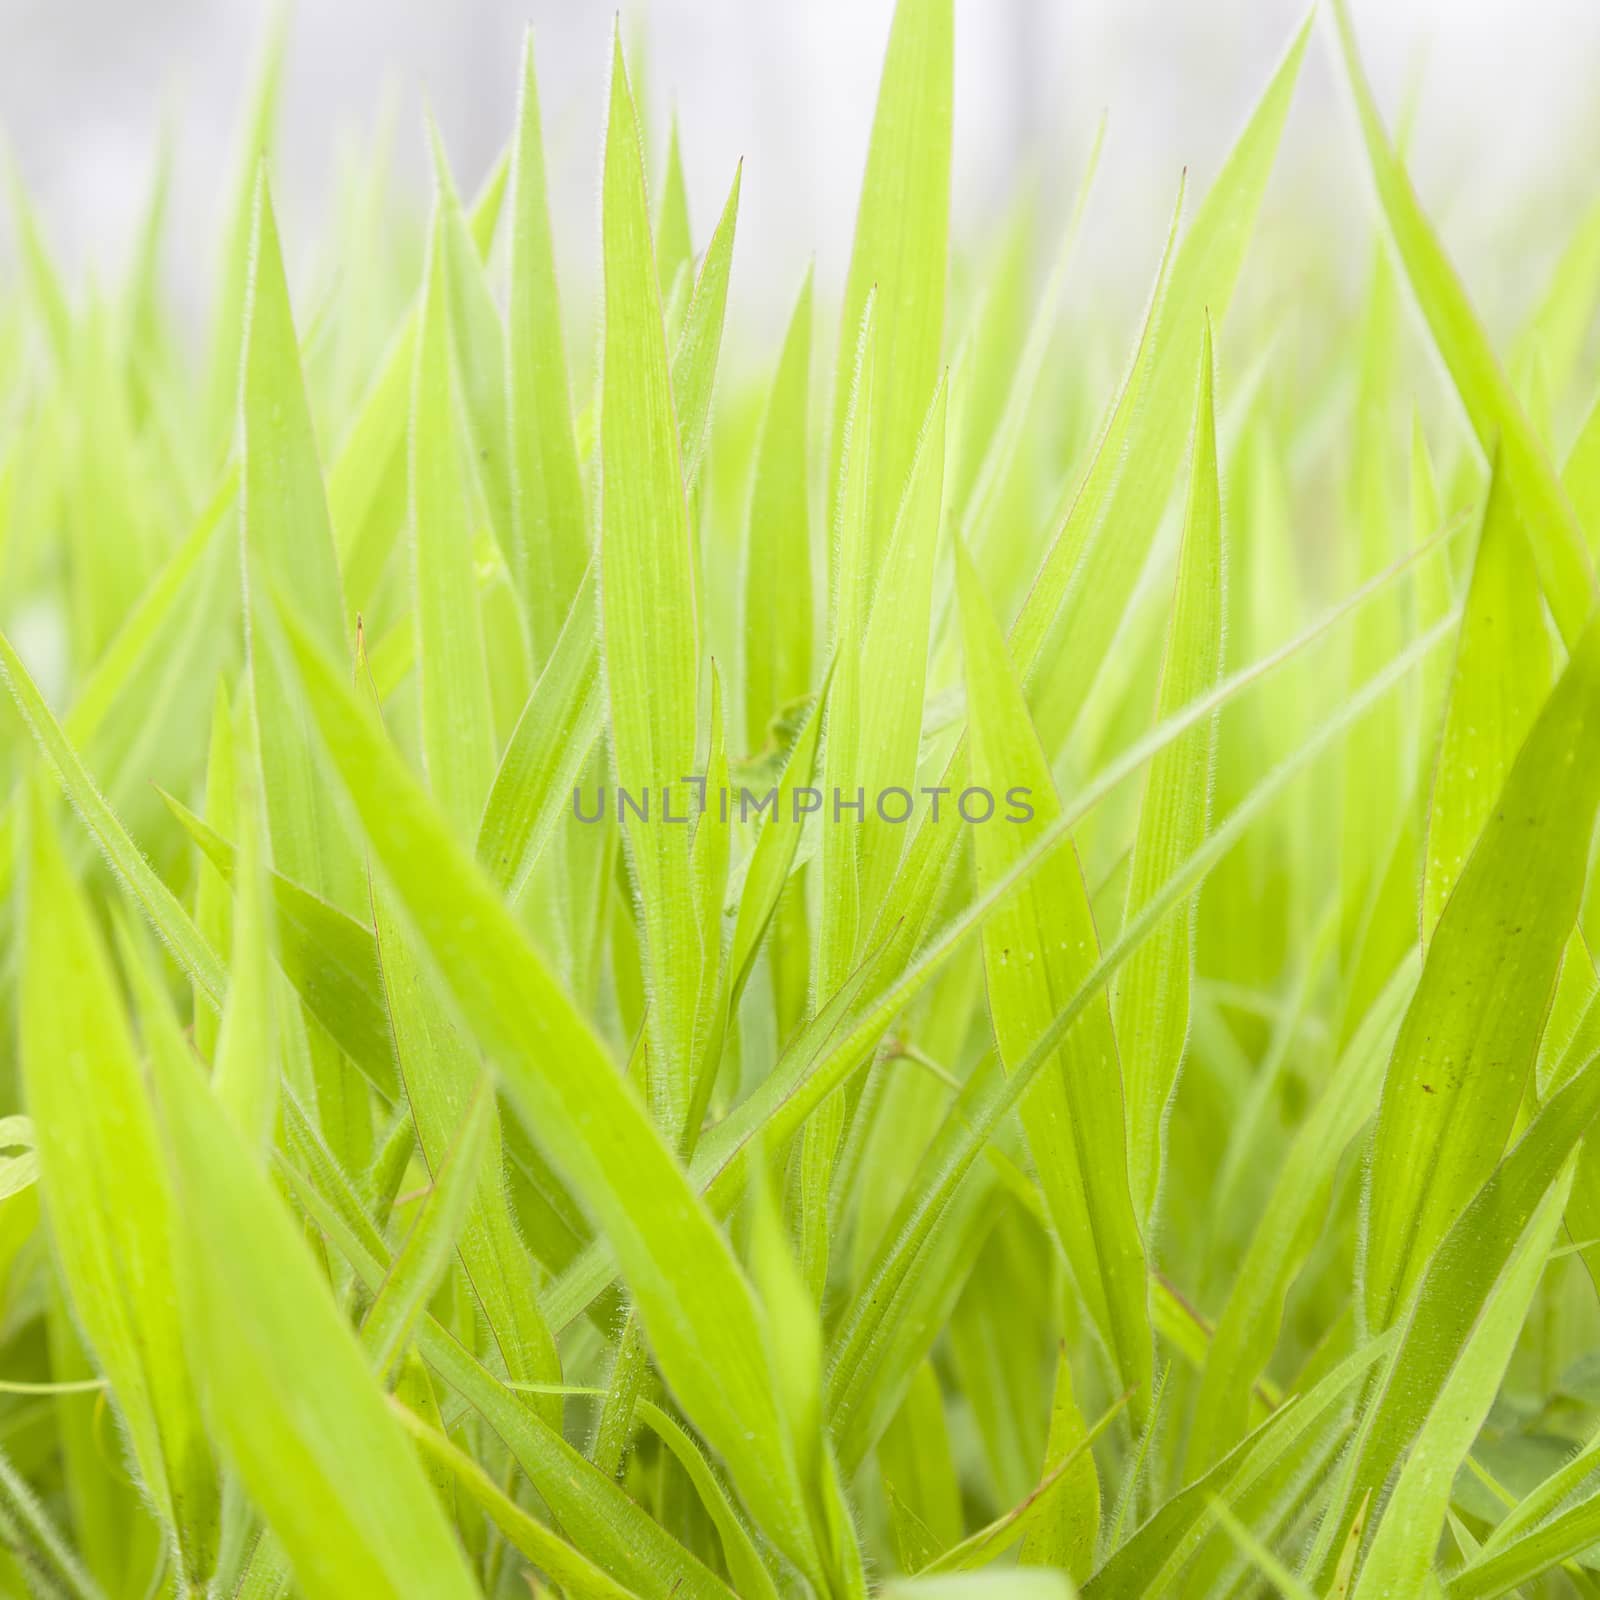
[[921, 974]]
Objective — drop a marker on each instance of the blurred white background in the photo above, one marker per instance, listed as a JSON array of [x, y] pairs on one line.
[[1508, 114]]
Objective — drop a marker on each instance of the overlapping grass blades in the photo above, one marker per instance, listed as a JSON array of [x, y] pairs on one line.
[[864, 966]]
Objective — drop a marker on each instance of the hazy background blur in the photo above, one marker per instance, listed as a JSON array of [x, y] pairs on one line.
[[1508, 119]]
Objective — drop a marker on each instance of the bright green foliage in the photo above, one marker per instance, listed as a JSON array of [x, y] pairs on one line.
[[1152, 995], [940, 949], [1038, 946], [111, 1209], [549, 516], [650, 611]]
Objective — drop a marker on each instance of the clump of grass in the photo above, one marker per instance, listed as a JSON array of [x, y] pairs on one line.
[[917, 979]]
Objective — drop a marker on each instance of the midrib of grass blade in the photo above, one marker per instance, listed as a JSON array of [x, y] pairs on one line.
[[550, 517], [288, 542], [288, 1385], [1566, 572], [709, 857], [587, 1504], [1151, 998], [1472, 1031], [649, 619], [1500, 679], [695, 1303], [456, 722], [900, 254], [112, 1215], [777, 614], [1037, 945]]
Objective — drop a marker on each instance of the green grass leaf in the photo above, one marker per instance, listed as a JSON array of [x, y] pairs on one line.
[[900, 256], [1549, 525], [1472, 1030], [301, 1415], [1403, 1547], [457, 728], [112, 1215], [694, 359], [778, 612], [1038, 946], [650, 623], [695, 1303], [549, 513], [1151, 999], [288, 542], [1501, 677]]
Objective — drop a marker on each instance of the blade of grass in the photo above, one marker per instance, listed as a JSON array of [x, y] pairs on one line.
[[289, 1388], [1402, 1553], [900, 255], [112, 1215], [456, 722], [1500, 680], [1151, 999], [593, 1510], [1037, 945], [549, 513], [1565, 570], [694, 357], [554, 1557], [423, 1259], [1472, 1030], [777, 608], [649, 606], [288, 540], [695, 1303]]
